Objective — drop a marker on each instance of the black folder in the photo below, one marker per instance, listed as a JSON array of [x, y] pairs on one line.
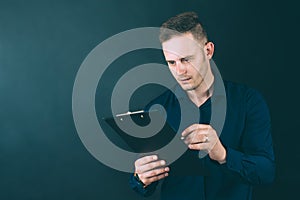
[[188, 164]]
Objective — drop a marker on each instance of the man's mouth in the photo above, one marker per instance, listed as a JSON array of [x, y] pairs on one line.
[[185, 79]]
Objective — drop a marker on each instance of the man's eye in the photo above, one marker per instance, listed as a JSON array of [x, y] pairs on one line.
[[185, 60], [171, 62]]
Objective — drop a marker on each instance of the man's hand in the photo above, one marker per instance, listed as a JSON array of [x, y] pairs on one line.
[[150, 169], [204, 137]]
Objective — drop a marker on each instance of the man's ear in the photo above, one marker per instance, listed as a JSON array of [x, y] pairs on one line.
[[209, 49]]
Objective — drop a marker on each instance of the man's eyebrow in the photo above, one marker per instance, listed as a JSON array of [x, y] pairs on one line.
[[188, 57]]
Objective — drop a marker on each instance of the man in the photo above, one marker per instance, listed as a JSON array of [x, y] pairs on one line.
[[243, 154]]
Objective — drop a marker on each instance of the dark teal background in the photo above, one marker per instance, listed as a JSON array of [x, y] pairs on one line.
[[43, 43]]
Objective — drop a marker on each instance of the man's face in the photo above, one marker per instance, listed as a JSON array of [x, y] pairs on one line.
[[187, 60]]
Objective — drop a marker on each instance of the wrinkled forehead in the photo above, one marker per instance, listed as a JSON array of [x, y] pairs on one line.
[[181, 46]]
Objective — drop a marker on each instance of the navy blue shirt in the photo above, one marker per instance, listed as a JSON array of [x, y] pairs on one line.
[[246, 135]]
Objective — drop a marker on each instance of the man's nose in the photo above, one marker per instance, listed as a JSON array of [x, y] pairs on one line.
[[180, 68]]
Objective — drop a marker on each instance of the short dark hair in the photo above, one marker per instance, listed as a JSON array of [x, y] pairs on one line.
[[180, 24]]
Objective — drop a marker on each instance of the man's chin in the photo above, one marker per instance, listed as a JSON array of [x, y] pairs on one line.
[[187, 87]]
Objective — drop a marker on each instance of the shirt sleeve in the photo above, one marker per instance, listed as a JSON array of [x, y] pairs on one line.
[[137, 187], [254, 161]]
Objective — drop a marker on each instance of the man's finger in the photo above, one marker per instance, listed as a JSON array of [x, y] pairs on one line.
[[153, 173], [145, 160], [191, 128], [199, 146], [155, 178], [199, 137], [151, 166]]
